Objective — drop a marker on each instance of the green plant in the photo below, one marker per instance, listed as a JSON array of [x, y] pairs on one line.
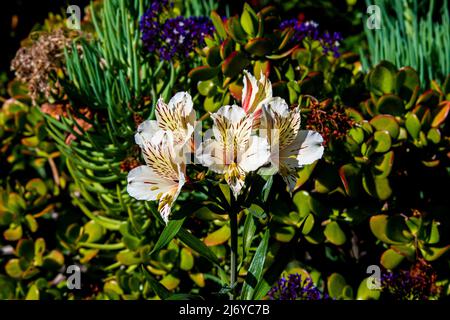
[[410, 35], [255, 41], [34, 190]]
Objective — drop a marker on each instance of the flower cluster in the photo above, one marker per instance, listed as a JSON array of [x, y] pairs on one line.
[[295, 288], [174, 36], [330, 42], [233, 149], [418, 283]]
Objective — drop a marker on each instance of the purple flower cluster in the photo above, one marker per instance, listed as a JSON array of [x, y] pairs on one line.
[[329, 41], [173, 36], [294, 288], [415, 284]]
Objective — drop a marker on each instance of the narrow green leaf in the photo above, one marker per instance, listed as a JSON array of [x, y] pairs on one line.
[[255, 270], [249, 232], [169, 232], [195, 244], [218, 24]]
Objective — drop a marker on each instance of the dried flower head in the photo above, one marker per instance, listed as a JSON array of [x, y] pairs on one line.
[[328, 119], [34, 65]]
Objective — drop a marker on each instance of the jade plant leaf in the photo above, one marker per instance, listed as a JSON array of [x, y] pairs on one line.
[[249, 21], [383, 141], [433, 253], [390, 259], [259, 46], [441, 114], [376, 186], [382, 165], [382, 78], [364, 293], [407, 82], [388, 123], [156, 286], [350, 175], [234, 64], [186, 260], [203, 73], [218, 24], [390, 230], [218, 237], [334, 233], [390, 104], [235, 30], [336, 284]]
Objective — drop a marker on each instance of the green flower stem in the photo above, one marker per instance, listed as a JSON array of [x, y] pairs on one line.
[[234, 245]]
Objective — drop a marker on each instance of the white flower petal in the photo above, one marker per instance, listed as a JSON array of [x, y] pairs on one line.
[[232, 126], [309, 146], [168, 199], [255, 155], [182, 101], [234, 114], [255, 93], [145, 184], [210, 154], [249, 90], [236, 183], [145, 131], [277, 106], [160, 155], [177, 115]]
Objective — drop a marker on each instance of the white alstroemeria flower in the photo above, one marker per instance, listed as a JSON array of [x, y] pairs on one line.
[[178, 116], [291, 147], [255, 93], [163, 175], [234, 151]]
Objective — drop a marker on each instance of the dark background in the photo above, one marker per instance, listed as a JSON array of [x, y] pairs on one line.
[[29, 13]]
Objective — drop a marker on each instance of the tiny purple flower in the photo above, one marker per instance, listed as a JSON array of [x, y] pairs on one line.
[[294, 288]]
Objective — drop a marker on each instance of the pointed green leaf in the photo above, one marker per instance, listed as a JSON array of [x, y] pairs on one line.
[[255, 270], [195, 244], [218, 24], [169, 232]]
